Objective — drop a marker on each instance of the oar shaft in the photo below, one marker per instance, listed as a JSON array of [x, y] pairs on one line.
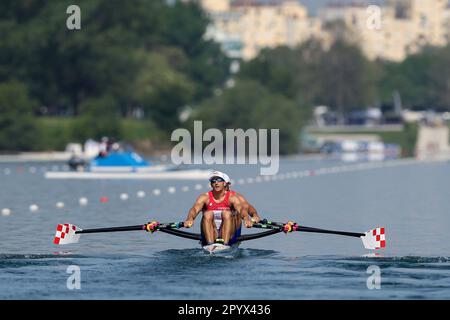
[[113, 229], [342, 233], [278, 225], [171, 225]]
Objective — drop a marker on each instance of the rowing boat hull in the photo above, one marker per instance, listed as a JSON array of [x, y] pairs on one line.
[[220, 249]]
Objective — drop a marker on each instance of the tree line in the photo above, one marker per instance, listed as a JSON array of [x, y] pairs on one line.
[[150, 60]]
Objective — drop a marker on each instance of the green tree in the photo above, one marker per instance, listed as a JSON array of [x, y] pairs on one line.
[[208, 67], [440, 78], [345, 78], [65, 68], [161, 89], [340, 77], [17, 130], [411, 78], [251, 105], [99, 117]]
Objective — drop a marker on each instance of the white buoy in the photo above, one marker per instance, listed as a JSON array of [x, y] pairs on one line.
[[198, 186], [185, 189], [34, 208], [171, 190], [32, 169], [141, 194], [123, 196], [83, 201], [156, 192], [60, 205], [6, 212]]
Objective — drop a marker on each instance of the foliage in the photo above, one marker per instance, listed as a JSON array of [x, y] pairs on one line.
[[17, 130], [339, 77], [251, 105], [99, 118], [118, 42]]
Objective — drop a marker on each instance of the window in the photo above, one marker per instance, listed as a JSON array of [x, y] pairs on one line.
[[423, 20]]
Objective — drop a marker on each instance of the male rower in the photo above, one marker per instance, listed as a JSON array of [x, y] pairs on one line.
[[250, 209], [218, 206]]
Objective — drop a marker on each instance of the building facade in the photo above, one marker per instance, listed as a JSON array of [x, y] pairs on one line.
[[244, 27], [391, 31]]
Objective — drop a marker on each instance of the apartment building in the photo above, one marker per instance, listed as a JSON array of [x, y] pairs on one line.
[[404, 26], [391, 31], [244, 27]]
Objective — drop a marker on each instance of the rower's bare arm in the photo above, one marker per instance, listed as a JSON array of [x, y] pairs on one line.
[[251, 210], [241, 208], [195, 210]]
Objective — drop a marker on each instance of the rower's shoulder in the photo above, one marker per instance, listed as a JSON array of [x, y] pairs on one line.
[[203, 196], [233, 196], [236, 194]]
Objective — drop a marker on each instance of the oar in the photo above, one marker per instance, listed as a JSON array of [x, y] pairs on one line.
[[372, 239], [69, 233]]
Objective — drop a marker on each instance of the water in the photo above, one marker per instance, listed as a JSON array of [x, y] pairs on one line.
[[410, 200]]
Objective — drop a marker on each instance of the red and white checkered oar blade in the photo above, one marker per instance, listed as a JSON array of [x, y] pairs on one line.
[[374, 239], [65, 234]]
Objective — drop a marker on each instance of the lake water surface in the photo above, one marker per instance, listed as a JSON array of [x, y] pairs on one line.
[[412, 201]]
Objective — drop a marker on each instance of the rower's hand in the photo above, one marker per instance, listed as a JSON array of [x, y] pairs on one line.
[[256, 219], [248, 223], [188, 223]]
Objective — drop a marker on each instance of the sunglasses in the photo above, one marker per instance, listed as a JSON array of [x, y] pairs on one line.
[[213, 180]]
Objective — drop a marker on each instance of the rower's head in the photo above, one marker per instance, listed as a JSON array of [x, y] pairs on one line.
[[219, 181]]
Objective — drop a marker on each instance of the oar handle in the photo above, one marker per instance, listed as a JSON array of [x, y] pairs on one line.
[[171, 225], [266, 226]]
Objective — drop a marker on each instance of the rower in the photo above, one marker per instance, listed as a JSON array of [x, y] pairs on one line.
[[103, 147], [218, 205], [250, 209]]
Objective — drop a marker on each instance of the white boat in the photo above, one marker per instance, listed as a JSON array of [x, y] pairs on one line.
[[125, 165]]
